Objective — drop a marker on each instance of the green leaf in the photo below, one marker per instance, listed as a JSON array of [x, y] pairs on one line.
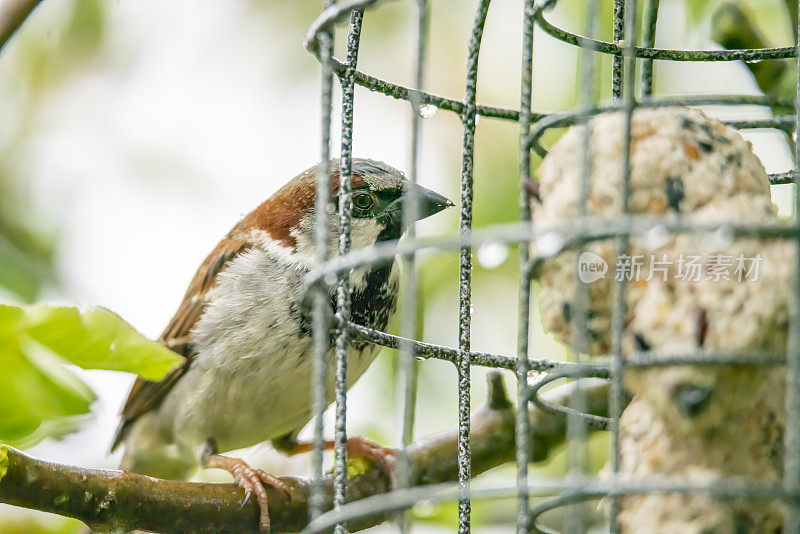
[[357, 466], [3, 461], [30, 391], [39, 395], [98, 339]]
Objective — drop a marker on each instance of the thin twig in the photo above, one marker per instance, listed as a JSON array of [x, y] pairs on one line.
[[13, 14]]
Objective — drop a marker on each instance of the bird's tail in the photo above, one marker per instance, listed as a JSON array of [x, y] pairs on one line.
[[149, 452]]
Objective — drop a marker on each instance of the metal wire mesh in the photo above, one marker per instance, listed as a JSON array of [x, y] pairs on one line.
[[577, 486]]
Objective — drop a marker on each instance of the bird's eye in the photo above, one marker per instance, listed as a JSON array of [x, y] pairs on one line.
[[363, 201]]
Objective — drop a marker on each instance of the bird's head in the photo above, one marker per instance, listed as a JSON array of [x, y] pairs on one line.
[[380, 194]]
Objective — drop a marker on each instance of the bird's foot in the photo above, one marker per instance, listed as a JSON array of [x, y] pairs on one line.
[[384, 458], [357, 446], [253, 482]]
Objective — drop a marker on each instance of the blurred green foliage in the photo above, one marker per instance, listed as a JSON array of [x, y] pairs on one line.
[[40, 524], [26, 250], [46, 59], [27, 239], [698, 11]]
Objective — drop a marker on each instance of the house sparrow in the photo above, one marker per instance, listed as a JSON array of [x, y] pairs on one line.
[[245, 331]]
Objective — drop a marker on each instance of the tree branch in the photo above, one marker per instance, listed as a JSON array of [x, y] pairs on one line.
[[108, 500], [13, 13]]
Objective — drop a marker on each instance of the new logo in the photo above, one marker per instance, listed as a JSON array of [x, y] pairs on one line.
[[591, 267]]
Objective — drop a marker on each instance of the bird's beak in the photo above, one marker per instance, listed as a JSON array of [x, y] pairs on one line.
[[428, 202]]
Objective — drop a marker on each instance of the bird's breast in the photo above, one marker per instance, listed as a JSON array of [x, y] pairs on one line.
[[250, 380]]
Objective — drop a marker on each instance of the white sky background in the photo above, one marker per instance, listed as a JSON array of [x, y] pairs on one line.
[[197, 110]]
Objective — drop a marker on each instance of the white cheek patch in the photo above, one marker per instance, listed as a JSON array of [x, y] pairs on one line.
[[364, 232]]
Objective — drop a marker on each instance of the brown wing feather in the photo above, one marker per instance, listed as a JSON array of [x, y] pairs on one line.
[[146, 395]]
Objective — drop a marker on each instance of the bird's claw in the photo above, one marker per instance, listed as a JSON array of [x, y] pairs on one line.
[[252, 481], [247, 495]]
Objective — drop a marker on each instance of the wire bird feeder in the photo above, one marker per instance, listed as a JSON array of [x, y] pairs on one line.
[[532, 125]]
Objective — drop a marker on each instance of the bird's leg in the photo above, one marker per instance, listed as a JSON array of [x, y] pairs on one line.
[[252, 480], [357, 446], [289, 445]]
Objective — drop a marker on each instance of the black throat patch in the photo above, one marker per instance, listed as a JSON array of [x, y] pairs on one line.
[[372, 304]]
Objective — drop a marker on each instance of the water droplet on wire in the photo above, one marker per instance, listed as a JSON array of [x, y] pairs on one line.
[[549, 243], [492, 255], [427, 111], [656, 237], [718, 239], [425, 509], [534, 377]]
